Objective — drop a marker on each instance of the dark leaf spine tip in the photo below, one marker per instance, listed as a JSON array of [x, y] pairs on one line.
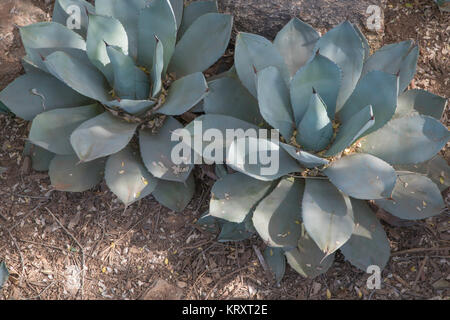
[[314, 90], [156, 38], [318, 52], [254, 69]]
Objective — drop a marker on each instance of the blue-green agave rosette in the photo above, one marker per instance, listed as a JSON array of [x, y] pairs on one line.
[[349, 133], [128, 70]]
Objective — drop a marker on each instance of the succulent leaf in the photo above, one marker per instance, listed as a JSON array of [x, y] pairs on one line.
[[253, 54], [315, 130], [343, 46], [420, 101], [407, 140], [203, 43], [68, 174], [157, 19], [296, 43], [307, 259], [127, 177], [321, 74], [178, 9], [415, 197], [40, 158], [127, 12], [232, 231], [274, 101], [365, 43], [4, 109], [105, 31], [60, 14], [276, 260], [436, 169], [51, 130], [51, 36], [395, 58], [250, 155], [81, 77], [101, 136], [195, 10], [306, 159], [209, 223], [157, 69], [235, 196], [351, 130], [130, 82], [37, 92], [277, 217], [327, 215], [368, 244], [175, 195], [368, 92], [227, 96], [362, 176], [184, 94], [156, 150]]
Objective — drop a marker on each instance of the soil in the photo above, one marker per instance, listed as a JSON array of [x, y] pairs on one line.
[[150, 252]]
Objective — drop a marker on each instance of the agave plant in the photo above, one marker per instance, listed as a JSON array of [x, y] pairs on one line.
[[350, 134], [129, 70]]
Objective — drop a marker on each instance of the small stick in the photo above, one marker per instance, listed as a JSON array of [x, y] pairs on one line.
[[81, 250], [415, 250], [422, 266]]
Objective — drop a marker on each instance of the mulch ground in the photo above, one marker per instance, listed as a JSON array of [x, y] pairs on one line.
[[47, 237]]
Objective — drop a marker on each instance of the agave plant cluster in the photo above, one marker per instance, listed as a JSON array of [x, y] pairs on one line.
[[350, 133], [104, 98]]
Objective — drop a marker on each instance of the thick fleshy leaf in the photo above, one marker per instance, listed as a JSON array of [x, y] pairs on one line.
[[134, 107], [81, 77], [127, 12], [421, 101], [209, 223], [68, 174], [274, 101], [436, 169], [320, 74], [235, 196], [351, 130], [343, 46], [156, 152], [4, 274], [195, 10], [157, 19], [277, 217], [368, 92], [229, 97], [175, 195], [130, 82], [220, 170], [51, 130], [362, 176], [63, 8], [395, 58], [203, 43], [253, 54], [184, 94], [127, 177], [315, 131], [306, 159], [220, 124], [101, 136], [178, 9], [308, 260], [261, 158], [102, 31], [415, 197], [37, 92], [369, 244], [51, 36], [157, 69], [408, 140], [276, 260], [4, 109], [327, 215], [40, 158], [232, 231], [365, 43], [296, 42]]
